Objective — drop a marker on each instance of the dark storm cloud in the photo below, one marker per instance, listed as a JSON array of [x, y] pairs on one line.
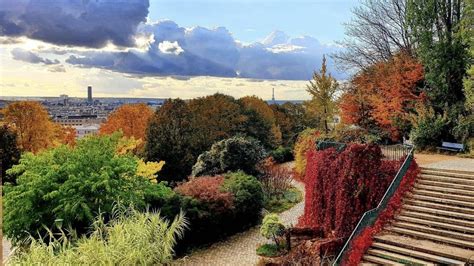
[[30, 57], [88, 23]]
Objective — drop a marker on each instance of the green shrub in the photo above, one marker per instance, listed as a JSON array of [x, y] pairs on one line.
[[428, 130], [248, 197], [464, 129], [278, 204], [269, 250], [130, 238], [233, 154], [282, 154], [73, 185], [306, 141]]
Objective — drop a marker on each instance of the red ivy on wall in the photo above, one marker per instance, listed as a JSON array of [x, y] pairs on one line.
[[362, 243], [340, 187]]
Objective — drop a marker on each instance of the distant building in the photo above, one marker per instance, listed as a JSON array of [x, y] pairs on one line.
[[64, 99], [85, 130], [78, 120], [89, 94]]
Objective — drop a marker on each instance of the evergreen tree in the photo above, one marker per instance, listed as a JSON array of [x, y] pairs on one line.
[[9, 152]]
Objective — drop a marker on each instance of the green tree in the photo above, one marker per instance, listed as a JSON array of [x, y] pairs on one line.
[[272, 227], [292, 119], [9, 152], [71, 186], [169, 137], [436, 31], [468, 29], [323, 89]]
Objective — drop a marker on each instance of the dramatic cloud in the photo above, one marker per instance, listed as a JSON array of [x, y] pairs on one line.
[[30, 57], [200, 51], [72, 22]]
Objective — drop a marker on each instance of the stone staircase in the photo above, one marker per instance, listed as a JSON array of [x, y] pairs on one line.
[[435, 225]]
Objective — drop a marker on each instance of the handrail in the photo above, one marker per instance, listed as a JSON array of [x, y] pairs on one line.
[[369, 217]]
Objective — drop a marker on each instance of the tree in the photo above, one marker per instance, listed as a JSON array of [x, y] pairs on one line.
[[9, 152], [323, 89], [272, 227], [468, 30], [383, 94], [260, 122], [377, 32], [131, 119], [65, 134], [72, 185], [292, 118], [35, 130], [169, 139], [436, 29], [213, 118]]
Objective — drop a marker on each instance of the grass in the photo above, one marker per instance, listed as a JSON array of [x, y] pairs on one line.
[[270, 250], [281, 203]]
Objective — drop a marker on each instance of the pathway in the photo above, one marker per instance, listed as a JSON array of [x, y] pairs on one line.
[[240, 249]]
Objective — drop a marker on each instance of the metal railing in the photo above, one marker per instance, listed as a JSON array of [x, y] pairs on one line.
[[369, 217], [395, 152]]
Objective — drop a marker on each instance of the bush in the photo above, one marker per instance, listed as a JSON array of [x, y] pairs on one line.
[[282, 154], [216, 207], [275, 179], [428, 129], [236, 153], [272, 227], [306, 141], [130, 238], [72, 185], [248, 197], [207, 189]]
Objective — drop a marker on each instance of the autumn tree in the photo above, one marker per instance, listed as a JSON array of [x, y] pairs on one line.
[[31, 121], [382, 95], [131, 119], [323, 89], [213, 118], [468, 31], [260, 122]]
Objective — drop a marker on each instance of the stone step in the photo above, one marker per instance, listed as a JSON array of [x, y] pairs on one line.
[[420, 245], [456, 174], [443, 195], [417, 254], [444, 207], [446, 179], [380, 261], [442, 200], [437, 218], [437, 212], [444, 184], [446, 190], [433, 237], [435, 231], [397, 257], [433, 224]]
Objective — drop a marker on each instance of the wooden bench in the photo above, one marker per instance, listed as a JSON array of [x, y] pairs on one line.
[[450, 146]]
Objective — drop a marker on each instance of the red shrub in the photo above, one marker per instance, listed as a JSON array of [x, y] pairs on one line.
[[276, 179], [207, 189]]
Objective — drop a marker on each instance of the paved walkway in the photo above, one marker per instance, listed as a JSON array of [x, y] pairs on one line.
[[240, 249], [445, 162]]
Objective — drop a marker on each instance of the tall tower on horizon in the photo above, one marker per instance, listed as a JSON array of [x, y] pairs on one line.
[[273, 94], [89, 94]]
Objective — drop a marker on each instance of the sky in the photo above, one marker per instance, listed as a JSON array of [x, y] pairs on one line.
[[167, 48]]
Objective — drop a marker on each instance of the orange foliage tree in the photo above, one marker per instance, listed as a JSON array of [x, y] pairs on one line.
[[383, 95], [34, 128], [131, 119]]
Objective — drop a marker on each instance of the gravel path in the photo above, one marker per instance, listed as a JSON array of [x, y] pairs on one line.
[[240, 249]]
